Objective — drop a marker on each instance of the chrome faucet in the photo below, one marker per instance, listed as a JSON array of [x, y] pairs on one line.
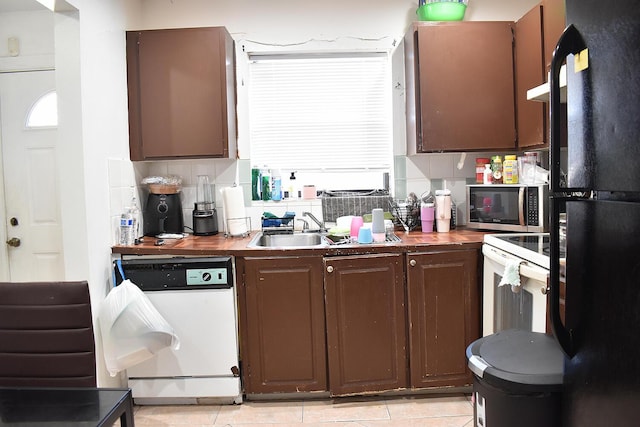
[[316, 220]]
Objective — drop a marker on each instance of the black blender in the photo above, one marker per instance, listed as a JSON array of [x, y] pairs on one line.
[[205, 218]]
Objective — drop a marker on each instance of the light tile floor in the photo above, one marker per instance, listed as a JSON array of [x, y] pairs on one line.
[[414, 411]]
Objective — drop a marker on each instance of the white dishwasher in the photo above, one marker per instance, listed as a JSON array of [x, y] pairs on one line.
[[196, 296]]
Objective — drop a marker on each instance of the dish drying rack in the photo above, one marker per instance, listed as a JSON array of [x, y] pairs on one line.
[[272, 224], [406, 213]]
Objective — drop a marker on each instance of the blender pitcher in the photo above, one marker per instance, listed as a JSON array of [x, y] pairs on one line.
[[205, 218]]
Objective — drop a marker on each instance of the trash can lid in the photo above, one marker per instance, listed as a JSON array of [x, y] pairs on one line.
[[518, 357]]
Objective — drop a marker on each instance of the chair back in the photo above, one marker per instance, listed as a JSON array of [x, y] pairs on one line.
[[46, 335]]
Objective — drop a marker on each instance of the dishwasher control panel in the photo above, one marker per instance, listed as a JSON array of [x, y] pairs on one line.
[[176, 273], [207, 276]]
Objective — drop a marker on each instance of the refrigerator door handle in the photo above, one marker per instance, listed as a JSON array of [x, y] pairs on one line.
[[571, 42]]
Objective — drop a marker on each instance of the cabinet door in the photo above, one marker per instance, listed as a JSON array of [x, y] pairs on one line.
[[366, 323], [529, 70], [181, 86], [554, 19], [444, 316], [282, 325], [464, 93]]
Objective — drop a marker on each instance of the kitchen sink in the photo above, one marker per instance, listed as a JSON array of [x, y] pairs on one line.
[[297, 240]]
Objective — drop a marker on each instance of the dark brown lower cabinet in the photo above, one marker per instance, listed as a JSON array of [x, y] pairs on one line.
[[366, 323], [444, 315], [282, 324]]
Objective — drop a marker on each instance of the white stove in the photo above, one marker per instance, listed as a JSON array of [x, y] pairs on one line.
[[523, 305], [531, 247]]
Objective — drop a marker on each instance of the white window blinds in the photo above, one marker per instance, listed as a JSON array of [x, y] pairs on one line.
[[320, 113]]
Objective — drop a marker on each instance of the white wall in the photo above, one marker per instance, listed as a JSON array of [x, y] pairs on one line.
[[90, 62]]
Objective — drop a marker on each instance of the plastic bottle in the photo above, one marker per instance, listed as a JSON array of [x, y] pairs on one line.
[[135, 215], [510, 170], [293, 188], [496, 169], [486, 179], [481, 163], [265, 184], [255, 183], [126, 228], [276, 188]]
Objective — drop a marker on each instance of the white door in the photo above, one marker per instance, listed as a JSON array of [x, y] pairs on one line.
[[32, 223]]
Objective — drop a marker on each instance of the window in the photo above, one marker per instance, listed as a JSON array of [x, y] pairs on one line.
[[326, 113], [44, 112]]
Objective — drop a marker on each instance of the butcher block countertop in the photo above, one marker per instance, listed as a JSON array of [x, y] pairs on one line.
[[414, 241]]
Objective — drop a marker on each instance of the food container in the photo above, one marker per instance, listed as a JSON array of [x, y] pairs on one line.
[[443, 210], [163, 184], [309, 192], [442, 11], [480, 166], [527, 167]]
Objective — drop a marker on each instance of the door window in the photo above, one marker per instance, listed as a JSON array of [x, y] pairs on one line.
[[44, 112]]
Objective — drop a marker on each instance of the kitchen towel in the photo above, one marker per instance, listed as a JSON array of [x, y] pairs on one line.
[[511, 275], [234, 212]]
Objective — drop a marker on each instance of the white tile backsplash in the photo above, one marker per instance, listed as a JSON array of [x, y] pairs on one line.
[[226, 171], [464, 167], [417, 174], [417, 167], [154, 168], [181, 168], [441, 165], [122, 188]]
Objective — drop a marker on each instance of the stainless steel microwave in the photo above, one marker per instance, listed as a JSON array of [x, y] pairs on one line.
[[508, 207]]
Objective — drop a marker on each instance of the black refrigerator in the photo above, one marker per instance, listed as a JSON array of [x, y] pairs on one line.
[[596, 184]]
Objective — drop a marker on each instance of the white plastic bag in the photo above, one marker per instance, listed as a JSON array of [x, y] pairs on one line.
[[132, 328]]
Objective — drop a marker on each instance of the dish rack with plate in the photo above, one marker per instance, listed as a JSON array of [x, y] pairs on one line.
[[406, 213], [272, 224]]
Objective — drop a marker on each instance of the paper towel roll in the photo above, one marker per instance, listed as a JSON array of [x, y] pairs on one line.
[[234, 211]]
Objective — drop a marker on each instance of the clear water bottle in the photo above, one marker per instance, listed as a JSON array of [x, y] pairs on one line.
[[126, 228], [135, 214]]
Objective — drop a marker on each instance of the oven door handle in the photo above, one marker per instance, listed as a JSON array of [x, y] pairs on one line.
[[534, 273]]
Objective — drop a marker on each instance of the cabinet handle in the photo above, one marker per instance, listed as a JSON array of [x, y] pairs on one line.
[[330, 269], [413, 263]]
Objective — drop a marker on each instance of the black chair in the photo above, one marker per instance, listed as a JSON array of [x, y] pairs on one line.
[[46, 335]]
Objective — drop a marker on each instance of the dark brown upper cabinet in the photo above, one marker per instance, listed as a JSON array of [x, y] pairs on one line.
[[181, 86], [529, 71], [460, 86], [554, 23], [537, 33]]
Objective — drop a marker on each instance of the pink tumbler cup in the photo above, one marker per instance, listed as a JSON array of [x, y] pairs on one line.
[[427, 214], [356, 223]]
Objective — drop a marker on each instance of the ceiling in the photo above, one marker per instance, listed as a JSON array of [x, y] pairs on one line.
[[20, 5]]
